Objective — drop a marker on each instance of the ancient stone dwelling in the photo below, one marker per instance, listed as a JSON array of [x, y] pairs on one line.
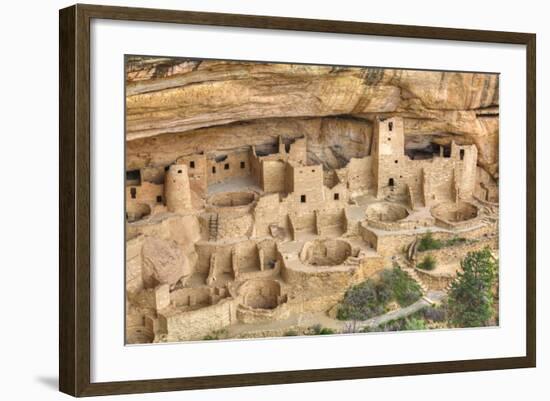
[[257, 234]]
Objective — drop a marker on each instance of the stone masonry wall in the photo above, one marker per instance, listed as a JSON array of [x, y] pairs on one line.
[[194, 325]]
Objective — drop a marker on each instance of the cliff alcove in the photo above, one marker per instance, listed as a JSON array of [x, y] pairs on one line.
[[217, 103]]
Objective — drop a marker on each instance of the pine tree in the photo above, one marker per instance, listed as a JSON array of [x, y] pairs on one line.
[[471, 293]]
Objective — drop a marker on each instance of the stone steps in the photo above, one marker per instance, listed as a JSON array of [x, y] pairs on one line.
[[414, 275]]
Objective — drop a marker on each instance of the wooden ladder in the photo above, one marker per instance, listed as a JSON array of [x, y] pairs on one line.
[[213, 227]]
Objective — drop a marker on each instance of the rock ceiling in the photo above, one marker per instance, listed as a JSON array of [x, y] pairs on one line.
[[220, 104]]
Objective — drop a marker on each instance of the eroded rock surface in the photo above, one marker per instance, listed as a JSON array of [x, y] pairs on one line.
[[221, 102], [163, 262]]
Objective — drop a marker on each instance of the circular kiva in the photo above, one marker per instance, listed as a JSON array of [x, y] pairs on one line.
[[386, 212], [139, 335], [232, 199], [325, 252], [261, 294], [455, 212]]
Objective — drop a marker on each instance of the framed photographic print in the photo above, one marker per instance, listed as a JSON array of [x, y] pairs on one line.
[[250, 200]]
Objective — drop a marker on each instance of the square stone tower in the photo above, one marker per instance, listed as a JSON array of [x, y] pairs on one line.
[[389, 156]]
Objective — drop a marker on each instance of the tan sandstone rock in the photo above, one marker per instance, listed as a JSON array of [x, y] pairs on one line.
[[221, 102], [163, 262]]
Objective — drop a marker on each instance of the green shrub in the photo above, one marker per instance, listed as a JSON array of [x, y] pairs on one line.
[[210, 337], [455, 241], [370, 298], [471, 302], [404, 289], [428, 263], [414, 324], [317, 330], [216, 335], [291, 333], [428, 242], [362, 301]]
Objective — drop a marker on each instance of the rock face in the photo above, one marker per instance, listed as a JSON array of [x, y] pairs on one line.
[[218, 102], [163, 262]]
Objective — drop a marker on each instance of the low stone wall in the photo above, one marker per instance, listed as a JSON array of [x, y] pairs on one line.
[[457, 252], [435, 282], [325, 252], [233, 225], [440, 281], [328, 279], [457, 225], [194, 325], [387, 245], [197, 296], [456, 215], [401, 225], [368, 236], [246, 314]]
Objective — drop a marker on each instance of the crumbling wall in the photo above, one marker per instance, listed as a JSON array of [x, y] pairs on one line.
[[360, 176], [486, 188], [269, 253], [298, 151], [153, 174], [247, 256], [269, 210], [303, 221], [200, 296], [273, 174], [147, 198], [235, 226], [328, 219], [325, 252], [228, 164]]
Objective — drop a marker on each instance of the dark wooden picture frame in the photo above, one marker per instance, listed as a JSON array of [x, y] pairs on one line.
[[74, 199]]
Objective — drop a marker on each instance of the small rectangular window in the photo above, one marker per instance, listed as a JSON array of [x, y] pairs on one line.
[[243, 165], [159, 199], [213, 169], [133, 193], [179, 171], [336, 196], [133, 175], [226, 166], [390, 126], [192, 164], [461, 154], [303, 198]]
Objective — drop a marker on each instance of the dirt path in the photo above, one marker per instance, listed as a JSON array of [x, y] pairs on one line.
[[310, 319]]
